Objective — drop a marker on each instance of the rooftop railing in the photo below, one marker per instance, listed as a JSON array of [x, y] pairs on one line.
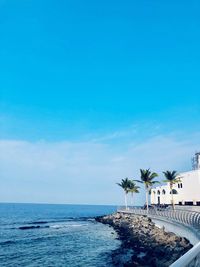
[[188, 218]]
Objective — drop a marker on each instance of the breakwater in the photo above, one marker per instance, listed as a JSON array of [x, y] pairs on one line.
[[142, 243]]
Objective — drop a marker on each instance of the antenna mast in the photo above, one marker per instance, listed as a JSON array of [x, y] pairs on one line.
[[196, 161]]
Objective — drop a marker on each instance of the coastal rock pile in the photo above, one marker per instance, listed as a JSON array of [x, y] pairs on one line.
[[143, 243]]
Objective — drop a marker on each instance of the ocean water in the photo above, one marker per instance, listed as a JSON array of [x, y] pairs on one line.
[[55, 235]]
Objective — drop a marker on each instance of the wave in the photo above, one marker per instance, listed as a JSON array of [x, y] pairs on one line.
[[60, 226], [91, 220], [54, 223], [54, 226], [38, 222], [60, 220], [14, 225], [8, 242], [32, 227]]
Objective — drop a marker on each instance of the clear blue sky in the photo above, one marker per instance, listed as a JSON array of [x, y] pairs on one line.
[[104, 73]]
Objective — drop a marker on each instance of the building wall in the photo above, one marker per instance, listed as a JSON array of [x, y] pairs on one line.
[[188, 190]]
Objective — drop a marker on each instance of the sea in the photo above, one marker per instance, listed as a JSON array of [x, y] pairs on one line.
[[45, 235]]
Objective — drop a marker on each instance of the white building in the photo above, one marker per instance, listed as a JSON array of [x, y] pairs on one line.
[[186, 192]]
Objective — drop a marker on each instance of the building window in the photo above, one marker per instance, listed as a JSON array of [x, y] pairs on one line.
[[180, 185], [158, 192], [174, 192], [163, 192], [189, 203]]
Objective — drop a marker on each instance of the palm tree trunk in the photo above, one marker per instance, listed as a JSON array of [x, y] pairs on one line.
[[147, 199], [171, 187], [125, 200], [132, 199]]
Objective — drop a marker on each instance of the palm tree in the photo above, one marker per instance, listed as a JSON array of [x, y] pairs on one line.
[[125, 185], [133, 189], [147, 178], [171, 178]]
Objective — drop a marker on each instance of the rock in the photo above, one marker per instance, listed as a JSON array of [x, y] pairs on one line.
[[139, 234]]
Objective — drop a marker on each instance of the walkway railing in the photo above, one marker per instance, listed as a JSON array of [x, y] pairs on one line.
[[184, 217]]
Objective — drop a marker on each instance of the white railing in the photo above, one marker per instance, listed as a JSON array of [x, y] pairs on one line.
[[184, 217], [189, 259]]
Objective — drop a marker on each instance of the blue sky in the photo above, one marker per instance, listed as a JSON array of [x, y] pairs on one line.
[[90, 84]]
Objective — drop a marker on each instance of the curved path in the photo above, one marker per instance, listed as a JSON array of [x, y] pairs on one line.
[[187, 218]]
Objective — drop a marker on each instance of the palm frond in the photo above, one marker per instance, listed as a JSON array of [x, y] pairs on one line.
[[147, 177], [165, 181], [171, 177], [155, 182], [138, 181], [125, 184]]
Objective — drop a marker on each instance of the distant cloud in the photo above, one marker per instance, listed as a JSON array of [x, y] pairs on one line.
[[117, 134], [85, 172]]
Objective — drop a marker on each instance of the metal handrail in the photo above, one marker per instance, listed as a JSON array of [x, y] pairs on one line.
[[181, 216], [188, 218], [189, 259]]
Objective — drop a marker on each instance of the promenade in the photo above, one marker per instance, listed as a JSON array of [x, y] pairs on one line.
[[183, 216]]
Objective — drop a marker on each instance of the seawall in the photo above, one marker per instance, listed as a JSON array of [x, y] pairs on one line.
[[143, 243]]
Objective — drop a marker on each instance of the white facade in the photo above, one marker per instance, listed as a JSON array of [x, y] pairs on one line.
[[187, 191]]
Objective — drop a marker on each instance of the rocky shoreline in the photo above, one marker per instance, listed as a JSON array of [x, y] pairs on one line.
[[143, 243]]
